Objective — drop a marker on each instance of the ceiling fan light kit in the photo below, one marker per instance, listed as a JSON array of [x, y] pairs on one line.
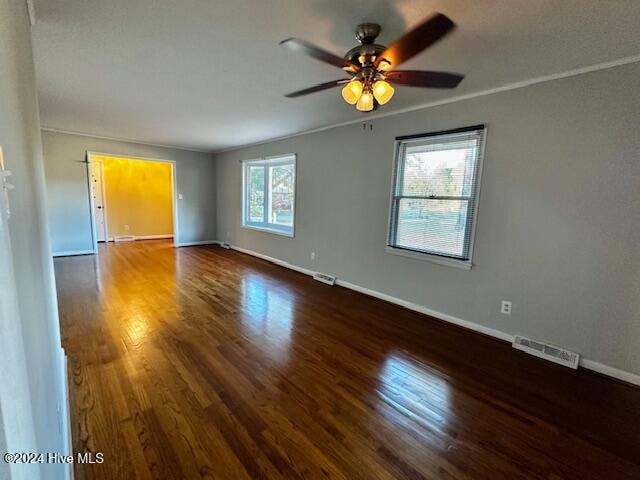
[[372, 66], [352, 91], [365, 102], [383, 91]]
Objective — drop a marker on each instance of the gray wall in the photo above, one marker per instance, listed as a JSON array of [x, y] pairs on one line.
[[68, 194], [29, 333], [559, 214]]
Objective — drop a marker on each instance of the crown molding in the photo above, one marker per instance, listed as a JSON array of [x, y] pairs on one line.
[[481, 93], [125, 140]]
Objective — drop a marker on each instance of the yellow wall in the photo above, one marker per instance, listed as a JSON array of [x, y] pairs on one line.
[[138, 194]]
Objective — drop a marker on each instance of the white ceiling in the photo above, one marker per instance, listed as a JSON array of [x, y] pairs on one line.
[[209, 74]]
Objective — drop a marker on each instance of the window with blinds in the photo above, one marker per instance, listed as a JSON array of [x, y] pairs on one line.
[[268, 189], [435, 191]]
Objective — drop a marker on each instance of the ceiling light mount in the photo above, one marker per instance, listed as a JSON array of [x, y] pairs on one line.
[[367, 32]]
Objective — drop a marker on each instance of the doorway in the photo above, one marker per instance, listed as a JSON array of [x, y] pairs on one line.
[[131, 198]]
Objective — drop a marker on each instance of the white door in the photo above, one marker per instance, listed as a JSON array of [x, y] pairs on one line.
[[98, 197]]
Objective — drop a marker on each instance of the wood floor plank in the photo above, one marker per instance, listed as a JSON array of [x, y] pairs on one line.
[[206, 363]]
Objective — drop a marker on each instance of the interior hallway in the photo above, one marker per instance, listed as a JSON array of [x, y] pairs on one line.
[[202, 362]]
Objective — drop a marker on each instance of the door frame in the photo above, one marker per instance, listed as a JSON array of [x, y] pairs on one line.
[[174, 192], [104, 200]]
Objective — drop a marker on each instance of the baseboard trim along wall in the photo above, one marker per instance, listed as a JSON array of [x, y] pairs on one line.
[[428, 311], [610, 371], [145, 237], [585, 363], [70, 253], [154, 237], [203, 242], [69, 474], [272, 260]]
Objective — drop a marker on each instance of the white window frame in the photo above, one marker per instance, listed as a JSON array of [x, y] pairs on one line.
[[396, 177], [266, 226]]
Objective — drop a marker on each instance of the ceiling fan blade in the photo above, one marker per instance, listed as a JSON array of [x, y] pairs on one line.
[[424, 78], [302, 46], [416, 40], [317, 88]]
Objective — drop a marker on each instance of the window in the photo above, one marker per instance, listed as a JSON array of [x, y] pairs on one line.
[[434, 195], [269, 194]]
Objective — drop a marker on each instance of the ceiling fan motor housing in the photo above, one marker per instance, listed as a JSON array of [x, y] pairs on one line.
[[366, 33]]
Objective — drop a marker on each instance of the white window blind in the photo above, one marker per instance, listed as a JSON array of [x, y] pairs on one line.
[[269, 194], [435, 192]]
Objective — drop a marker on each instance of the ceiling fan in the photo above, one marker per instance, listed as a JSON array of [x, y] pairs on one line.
[[373, 67]]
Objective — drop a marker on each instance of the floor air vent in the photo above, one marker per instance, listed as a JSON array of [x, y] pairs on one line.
[[226, 245], [548, 352], [324, 278], [124, 238]]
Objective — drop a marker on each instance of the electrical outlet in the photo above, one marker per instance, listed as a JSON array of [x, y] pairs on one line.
[[180, 197], [505, 307], [126, 227], [313, 255], [228, 234]]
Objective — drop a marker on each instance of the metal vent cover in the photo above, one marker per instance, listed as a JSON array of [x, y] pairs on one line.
[[124, 238], [549, 352], [324, 278]]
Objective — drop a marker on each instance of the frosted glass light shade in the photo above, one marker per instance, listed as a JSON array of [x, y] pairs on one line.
[[352, 91], [382, 91], [365, 102]]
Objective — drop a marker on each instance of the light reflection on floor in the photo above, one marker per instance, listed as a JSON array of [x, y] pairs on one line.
[[133, 290], [267, 312], [411, 387], [137, 328]]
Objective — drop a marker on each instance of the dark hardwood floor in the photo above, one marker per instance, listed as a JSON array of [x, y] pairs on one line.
[[202, 362]]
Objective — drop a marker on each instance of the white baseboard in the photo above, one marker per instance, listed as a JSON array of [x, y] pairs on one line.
[[610, 371], [70, 253], [584, 362], [202, 242], [69, 472], [273, 260], [154, 237], [428, 311], [145, 237]]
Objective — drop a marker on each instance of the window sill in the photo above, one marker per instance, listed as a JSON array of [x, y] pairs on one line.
[[448, 262], [269, 230]]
